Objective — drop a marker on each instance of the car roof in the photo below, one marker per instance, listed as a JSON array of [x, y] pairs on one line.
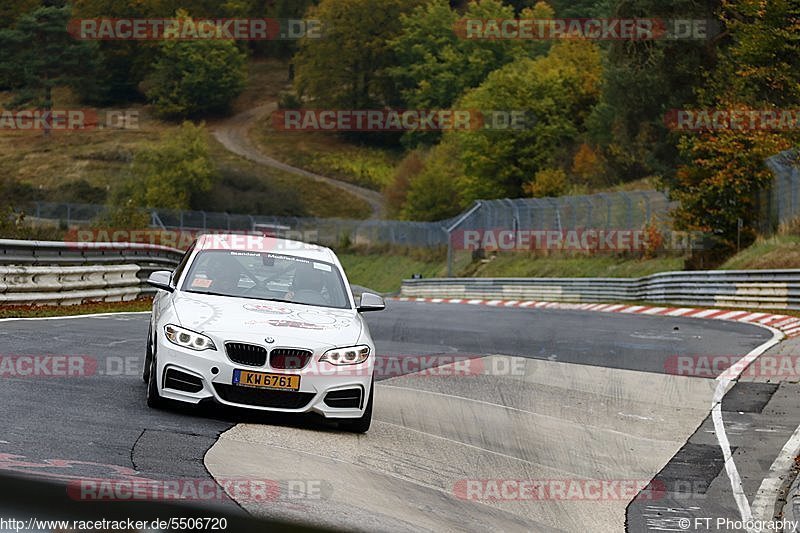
[[245, 242]]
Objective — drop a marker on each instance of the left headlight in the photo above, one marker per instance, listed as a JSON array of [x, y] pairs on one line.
[[188, 339], [353, 355]]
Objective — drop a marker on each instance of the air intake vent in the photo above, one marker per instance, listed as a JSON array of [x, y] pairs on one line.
[[246, 354], [344, 399], [177, 380], [289, 358], [263, 398]]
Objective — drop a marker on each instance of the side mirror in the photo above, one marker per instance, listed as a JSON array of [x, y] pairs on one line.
[[160, 279], [371, 302]]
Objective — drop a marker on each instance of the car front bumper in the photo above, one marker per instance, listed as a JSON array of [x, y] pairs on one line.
[[317, 380]]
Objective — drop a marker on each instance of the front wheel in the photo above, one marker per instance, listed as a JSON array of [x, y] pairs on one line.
[[362, 424], [154, 399], [148, 357]]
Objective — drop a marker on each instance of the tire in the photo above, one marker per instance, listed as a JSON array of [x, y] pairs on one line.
[[154, 399], [148, 356], [361, 425]]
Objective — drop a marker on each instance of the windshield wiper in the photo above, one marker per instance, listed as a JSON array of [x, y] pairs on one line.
[[210, 293]]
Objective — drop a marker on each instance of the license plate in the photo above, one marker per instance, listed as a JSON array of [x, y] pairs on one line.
[[262, 380]]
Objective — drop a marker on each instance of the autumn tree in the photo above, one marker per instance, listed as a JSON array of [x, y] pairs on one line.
[[549, 182], [589, 166], [724, 169], [556, 92], [395, 192], [435, 193]]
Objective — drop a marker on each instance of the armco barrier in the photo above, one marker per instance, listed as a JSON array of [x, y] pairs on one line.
[[63, 273], [766, 289], [17, 252]]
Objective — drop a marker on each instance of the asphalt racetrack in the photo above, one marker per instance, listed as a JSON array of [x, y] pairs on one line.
[[568, 398]]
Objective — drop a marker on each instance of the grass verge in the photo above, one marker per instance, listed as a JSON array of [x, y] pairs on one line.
[[385, 273], [248, 188], [780, 251], [43, 311], [521, 265], [329, 155]]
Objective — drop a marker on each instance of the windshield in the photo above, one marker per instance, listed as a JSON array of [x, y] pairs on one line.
[[267, 276]]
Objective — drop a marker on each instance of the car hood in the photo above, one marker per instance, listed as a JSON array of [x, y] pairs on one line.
[[253, 320]]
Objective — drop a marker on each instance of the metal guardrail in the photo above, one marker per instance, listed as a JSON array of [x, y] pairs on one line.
[[16, 252], [766, 289], [64, 273]]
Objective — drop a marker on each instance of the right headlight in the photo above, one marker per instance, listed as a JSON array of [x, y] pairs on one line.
[[354, 355]]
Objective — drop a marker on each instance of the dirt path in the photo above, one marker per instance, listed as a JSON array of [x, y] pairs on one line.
[[233, 134]]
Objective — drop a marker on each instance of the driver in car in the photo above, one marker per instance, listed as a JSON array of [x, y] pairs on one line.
[[308, 286], [225, 273]]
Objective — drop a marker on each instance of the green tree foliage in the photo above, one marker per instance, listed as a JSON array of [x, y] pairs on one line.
[[581, 8], [38, 54], [433, 194], [760, 70], [558, 91], [761, 65], [123, 65], [172, 173], [643, 80], [563, 8], [119, 66], [435, 65], [11, 9], [192, 78], [279, 9], [348, 68]]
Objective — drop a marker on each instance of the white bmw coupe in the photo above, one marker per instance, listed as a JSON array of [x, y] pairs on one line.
[[261, 323]]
